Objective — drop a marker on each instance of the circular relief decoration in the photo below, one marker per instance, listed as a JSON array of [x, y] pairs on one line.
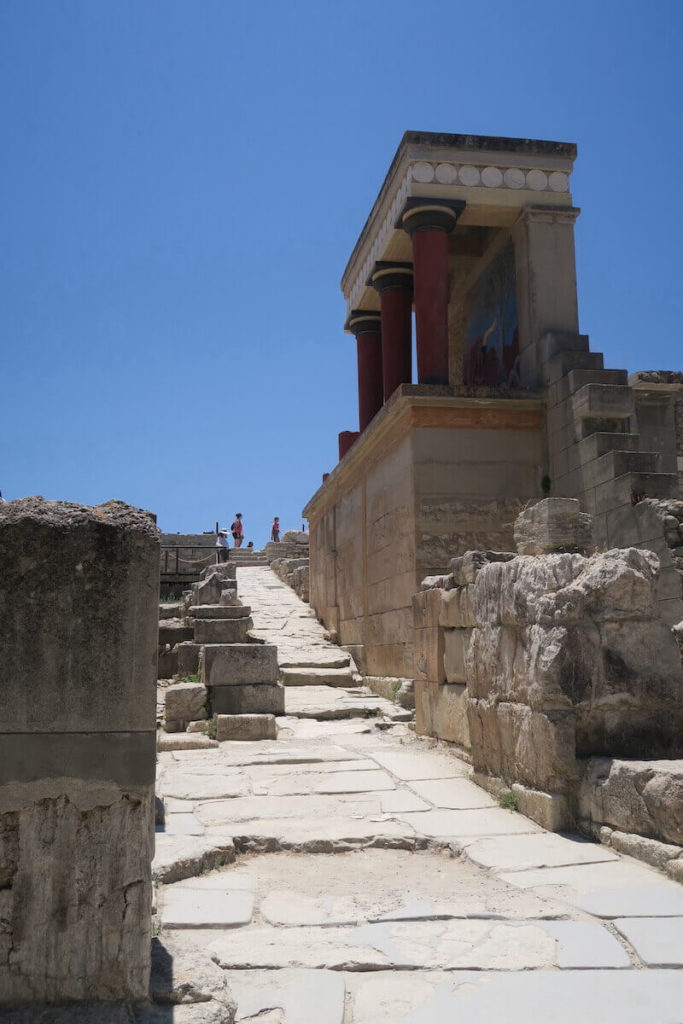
[[559, 181], [492, 177], [423, 172], [538, 180], [469, 175], [446, 173], [514, 178]]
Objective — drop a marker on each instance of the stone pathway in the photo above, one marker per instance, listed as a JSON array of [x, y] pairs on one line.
[[349, 873]]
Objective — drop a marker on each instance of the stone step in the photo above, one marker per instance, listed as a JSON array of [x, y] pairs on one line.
[[616, 463], [580, 377], [633, 487], [564, 362], [603, 402], [599, 443], [306, 676], [219, 611]]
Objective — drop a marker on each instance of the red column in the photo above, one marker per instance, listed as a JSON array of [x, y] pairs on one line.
[[394, 283], [365, 324], [428, 222], [346, 439]]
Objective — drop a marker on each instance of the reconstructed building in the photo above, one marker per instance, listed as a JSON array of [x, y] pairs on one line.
[[471, 239]]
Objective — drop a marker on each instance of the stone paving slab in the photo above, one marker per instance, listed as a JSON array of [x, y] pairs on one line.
[[453, 794], [658, 941], [308, 728], [179, 857], [288, 996], [541, 850], [206, 908], [182, 824], [414, 765], [319, 835], [355, 782], [575, 882], [259, 808], [488, 821], [329, 702], [658, 900], [184, 786], [550, 997], [447, 945], [401, 801]]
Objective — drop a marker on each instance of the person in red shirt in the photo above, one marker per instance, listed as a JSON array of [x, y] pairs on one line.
[[275, 530], [237, 530]]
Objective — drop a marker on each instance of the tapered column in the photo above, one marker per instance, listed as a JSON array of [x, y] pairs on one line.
[[394, 283], [366, 326], [346, 439], [429, 222]]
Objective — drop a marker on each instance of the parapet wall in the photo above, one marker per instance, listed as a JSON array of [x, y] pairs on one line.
[[539, 659], [78, 629]]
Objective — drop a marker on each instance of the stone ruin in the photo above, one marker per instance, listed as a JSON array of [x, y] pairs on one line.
[[78, 625], [553, 666], [236, 678]]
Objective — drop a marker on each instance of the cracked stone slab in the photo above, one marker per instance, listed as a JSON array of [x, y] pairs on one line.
[[401, 800], [540, 850], [184, 786], [452, 794], [448, 945], [183, 974], [412, 766], [355, 782], [329, 702], [309, 728], [260, 808], [658, 941], [463, 824], [179, 857], [206, 908], [556, 997], [603, 882], [318, 835], [296, 996]]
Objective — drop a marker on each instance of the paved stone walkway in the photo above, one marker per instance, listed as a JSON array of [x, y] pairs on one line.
[[349, 873]]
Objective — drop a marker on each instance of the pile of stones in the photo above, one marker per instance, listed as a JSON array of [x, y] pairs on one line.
[[236, 676]]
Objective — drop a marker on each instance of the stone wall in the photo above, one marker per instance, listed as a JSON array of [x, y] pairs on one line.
[[78, 628], [537, 660]]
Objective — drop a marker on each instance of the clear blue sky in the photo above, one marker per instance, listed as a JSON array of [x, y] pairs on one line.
[[182, 183]]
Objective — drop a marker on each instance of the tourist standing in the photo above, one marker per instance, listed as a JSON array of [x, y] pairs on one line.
[[237, 530], [275, 530], [222, 546]]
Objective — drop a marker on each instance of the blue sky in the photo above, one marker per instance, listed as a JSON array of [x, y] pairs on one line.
[[182, 184]]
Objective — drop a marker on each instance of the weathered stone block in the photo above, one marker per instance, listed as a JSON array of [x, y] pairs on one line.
[[188, 658], [222, 631], [635, 796], [456, 642], [465, 567], [246, 727], [426, 608], [428, 654], [237, 664], [185, 702], [554, 524], [250, 698], [220, 611], [174, 632]]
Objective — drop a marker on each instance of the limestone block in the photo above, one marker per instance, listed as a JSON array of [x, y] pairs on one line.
[[294, 537], [456, 642], [465, 567], [237, 664], [220, 611], [222, 631], [426, 608], [79, 617], [428, 654], [262, 698], [447, 713], [188, 658], [185, 702], [246, 727], [174, 632], [229, 596], [91, 848], [554, 524], [634, 796], [514, 742], [224, 570]]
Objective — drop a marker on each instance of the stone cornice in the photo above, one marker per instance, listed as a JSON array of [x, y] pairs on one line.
[[419, 407]]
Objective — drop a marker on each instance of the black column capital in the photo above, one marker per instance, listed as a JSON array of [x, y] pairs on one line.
[[427, 213], [363, 321], [389, 274]]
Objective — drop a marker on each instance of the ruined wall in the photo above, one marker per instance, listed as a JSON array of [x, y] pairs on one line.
[[78, 640], [559, 656]]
